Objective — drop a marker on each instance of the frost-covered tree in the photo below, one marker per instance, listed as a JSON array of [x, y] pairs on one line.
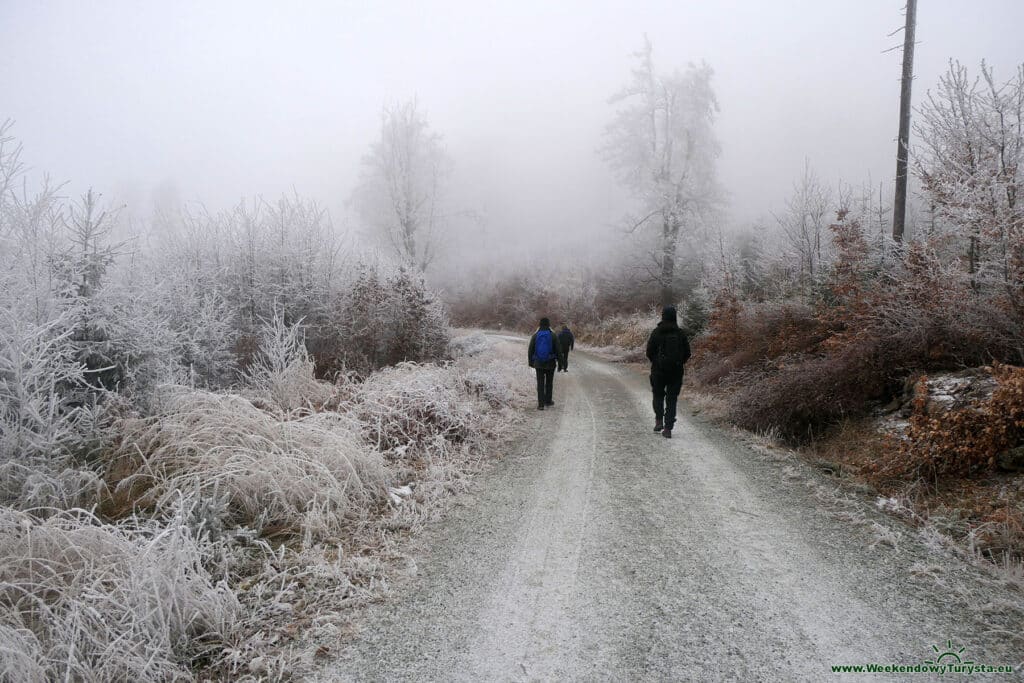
[[41, 424], [386, 316], [970, 160], [302, 256], [661, 143], [261, 257], [82, 272], [31, 233], [804, 224], [401, 188]]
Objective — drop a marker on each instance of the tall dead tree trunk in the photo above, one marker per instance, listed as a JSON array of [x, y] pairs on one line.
[[902, 144]]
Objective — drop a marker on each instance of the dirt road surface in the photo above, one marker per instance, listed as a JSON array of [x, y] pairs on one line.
[[597, 550]]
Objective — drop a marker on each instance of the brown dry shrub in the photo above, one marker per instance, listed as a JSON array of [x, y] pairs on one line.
[[722, 334], [960, 442], [750, 337], [802, 395], [794, 367]]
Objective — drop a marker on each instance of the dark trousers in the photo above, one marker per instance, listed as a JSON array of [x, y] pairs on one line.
[[563, 362], [545, 383], [666, 388]]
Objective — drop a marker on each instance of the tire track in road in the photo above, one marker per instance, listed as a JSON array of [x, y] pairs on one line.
[[701, 594], [529, 625]]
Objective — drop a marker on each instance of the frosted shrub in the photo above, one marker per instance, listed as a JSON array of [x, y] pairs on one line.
[[496, 379], [469, 345], [620, 336], [307, 476], [282, 371], [35, 362], [384, 317], [111, 336], [196, 329], [85, 601], [624, 331], [410, 407], [132, 340], [40, 431], [491, 385], [205, 336], [418, 325]]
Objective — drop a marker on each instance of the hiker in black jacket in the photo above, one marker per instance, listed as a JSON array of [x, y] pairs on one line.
[[566, 341], [544, 355], [668, 350]]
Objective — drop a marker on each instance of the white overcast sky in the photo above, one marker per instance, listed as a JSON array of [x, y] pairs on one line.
[[230, 99]]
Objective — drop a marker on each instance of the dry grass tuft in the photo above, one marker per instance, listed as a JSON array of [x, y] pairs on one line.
[[310, 475], [81, 600], [411, 409], [621, 335]]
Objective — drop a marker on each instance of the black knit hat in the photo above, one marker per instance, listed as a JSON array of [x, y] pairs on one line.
[[544, 322], [668, 314]]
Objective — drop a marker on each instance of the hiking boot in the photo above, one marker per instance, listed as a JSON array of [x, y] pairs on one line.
[[550, 403], [667, 433], [540, 406], [658, 426]]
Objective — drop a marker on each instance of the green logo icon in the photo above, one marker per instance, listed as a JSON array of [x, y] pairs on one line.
[[948, 656]]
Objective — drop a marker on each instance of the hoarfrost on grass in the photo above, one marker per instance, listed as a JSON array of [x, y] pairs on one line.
[[83, 600], [469, 345], [307, 475]]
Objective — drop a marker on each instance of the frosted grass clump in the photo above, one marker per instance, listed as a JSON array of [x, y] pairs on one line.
[[309, 475], [414, 409], [491, 385], [80, 600], [469, 345]]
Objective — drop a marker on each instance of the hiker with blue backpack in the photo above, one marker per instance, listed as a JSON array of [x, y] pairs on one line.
[[668, 350], [544, 355]]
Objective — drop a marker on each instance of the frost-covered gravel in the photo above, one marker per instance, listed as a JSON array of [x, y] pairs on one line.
[[598, 550]]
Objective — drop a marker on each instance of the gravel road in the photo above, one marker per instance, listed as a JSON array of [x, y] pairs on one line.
[[597, 550]]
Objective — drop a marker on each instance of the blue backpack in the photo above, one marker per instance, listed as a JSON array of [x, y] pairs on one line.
[[544, 347]]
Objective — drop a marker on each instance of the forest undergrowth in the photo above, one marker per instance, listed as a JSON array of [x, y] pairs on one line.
[[215, 436], [225, 533]]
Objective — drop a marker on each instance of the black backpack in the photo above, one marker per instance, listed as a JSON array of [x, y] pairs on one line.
[[670, 351]]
